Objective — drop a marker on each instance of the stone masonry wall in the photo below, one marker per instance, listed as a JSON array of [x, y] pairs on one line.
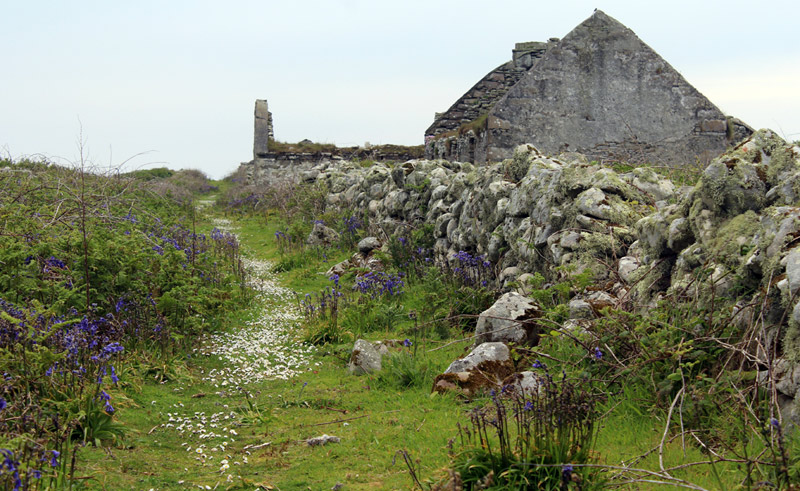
[[602, 92], [277, 166], [599, 91], [478, 100]]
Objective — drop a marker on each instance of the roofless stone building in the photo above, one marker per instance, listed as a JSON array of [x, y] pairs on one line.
[[599, 91]]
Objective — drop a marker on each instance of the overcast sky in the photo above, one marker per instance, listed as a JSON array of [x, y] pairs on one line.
[[177, 80]]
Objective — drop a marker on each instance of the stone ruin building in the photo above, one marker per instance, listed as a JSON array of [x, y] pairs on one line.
[[599, 91], [274, 160]]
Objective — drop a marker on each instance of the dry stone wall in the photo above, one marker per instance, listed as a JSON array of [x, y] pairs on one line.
[[732, 237]]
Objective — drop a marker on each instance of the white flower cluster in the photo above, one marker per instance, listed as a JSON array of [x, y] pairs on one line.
[[208, 437], [266, 347], [223, 224], [204, 427]]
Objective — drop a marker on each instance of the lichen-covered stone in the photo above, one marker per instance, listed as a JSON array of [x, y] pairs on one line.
[[322, 235], [512, 318], [485, 367], [525, 383], [627, 266], [365, 358], [490, 351], [368, 244]]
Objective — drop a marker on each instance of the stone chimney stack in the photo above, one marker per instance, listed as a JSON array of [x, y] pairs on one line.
[[263, 129]]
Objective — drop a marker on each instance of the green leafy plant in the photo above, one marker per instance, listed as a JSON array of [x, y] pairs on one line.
[[536, 439]]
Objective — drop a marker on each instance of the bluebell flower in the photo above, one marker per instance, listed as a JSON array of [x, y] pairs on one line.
[[113, 348], [3, 404], [53, 262], [54, 458], [9, 462], [566, 471], [537, 364], [407, 343], [598, 354], [775, 423]]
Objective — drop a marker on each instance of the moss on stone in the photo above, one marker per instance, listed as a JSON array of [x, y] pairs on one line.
[[517, 167], [601, 244], [781, 162], [736, 239], [624, 212]]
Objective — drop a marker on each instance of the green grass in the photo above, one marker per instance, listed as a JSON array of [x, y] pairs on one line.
[[381, 421], [373, 418]]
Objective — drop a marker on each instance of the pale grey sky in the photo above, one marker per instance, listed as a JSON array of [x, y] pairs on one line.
[[178, 79]]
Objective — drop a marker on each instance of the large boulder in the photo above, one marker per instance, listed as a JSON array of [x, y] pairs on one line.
[[485, 367], [368, 244], [322, 235], [365, 357], [512, 318]]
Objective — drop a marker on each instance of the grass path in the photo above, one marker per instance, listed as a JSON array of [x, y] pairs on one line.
[[253, 394]]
